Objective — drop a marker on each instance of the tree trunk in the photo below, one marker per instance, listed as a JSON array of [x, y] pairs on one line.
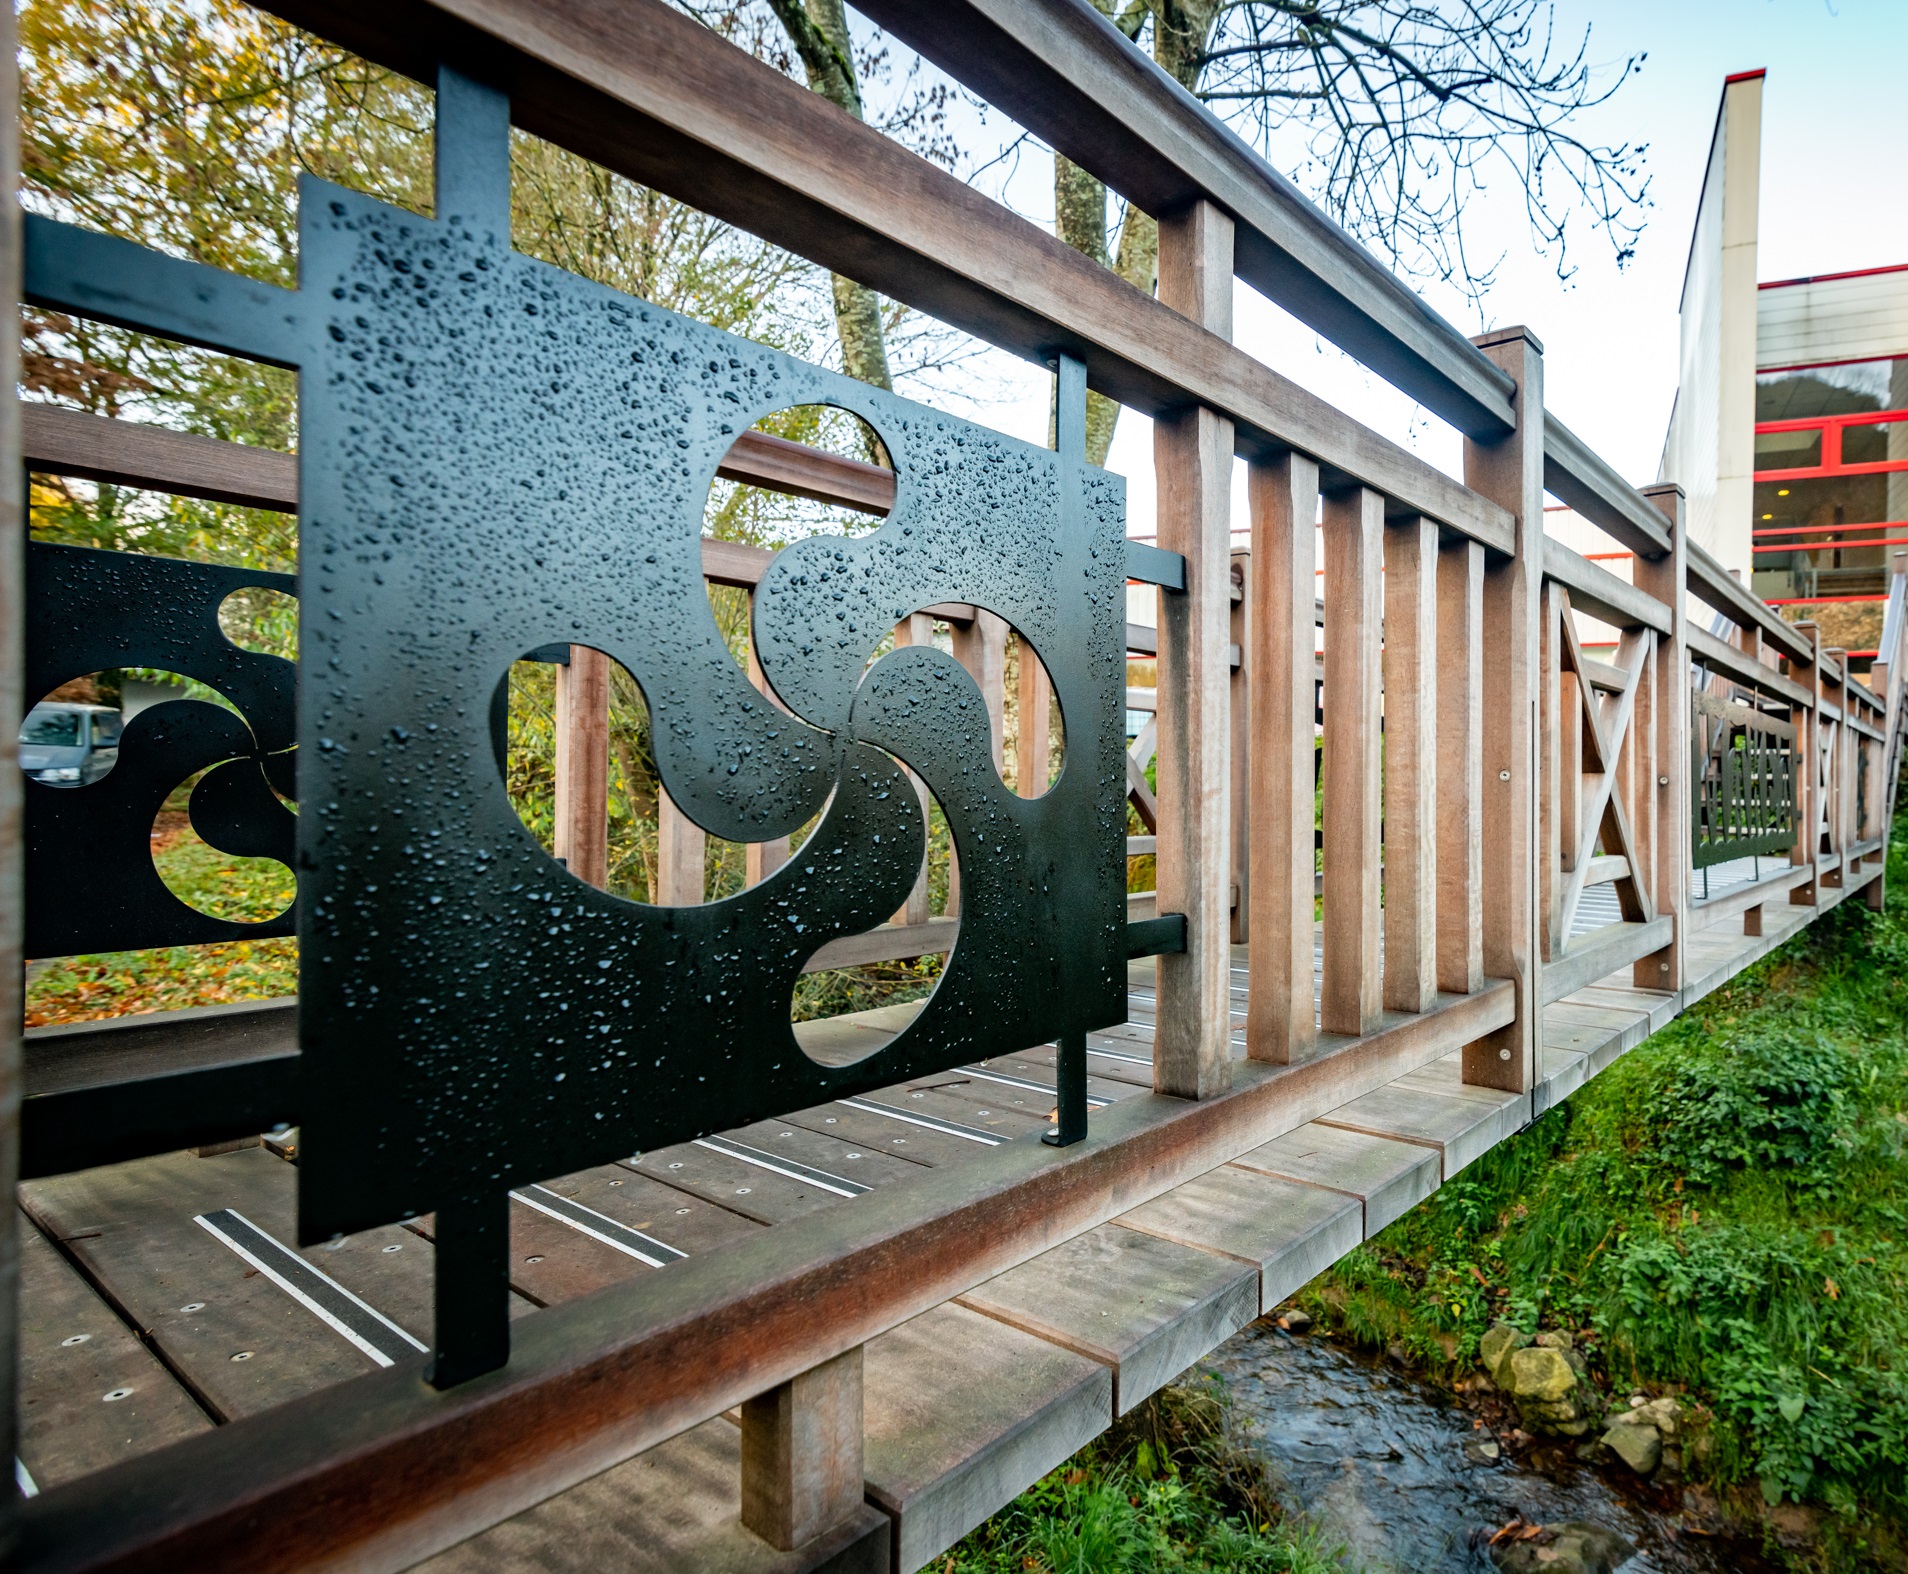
[[819, 31]]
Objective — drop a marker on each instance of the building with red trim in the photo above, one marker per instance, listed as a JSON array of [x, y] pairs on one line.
[[1790, 429]]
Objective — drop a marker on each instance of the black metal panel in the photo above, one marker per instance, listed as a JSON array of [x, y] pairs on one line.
[[496, 458], [90, 880], [500, 456]]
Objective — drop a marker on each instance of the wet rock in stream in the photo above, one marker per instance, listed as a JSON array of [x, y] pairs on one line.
[[1410, 1479]]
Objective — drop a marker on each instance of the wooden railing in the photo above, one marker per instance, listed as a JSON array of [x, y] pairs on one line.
[[1482, 776]]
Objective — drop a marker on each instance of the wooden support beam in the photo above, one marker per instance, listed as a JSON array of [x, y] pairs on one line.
[[1281, 1017], [1411, 765], [1511, 473], [801, 1453], [1461, 767], [1663, 579], [582, 765], [1353, 805], [1192, 459]]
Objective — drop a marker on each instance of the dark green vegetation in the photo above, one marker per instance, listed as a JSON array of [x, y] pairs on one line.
[[1721, 1212], [1166, 1488]]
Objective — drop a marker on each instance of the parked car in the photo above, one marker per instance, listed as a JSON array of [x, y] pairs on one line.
[[64, 745]]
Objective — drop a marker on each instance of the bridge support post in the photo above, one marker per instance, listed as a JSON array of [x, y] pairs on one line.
[[1192, 456], [801, 1454], [1510, 472], [1665, 578]]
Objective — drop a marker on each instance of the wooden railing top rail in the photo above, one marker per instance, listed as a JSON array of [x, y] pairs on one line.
[[1594, 589], [654, 96], [1576, 474], [1064, 72], [1711, 584]]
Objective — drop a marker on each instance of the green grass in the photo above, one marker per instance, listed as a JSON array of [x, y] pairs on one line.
[[1721, 1212], [1166, 1489]]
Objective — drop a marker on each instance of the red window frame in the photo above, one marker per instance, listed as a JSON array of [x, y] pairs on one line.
[[1831, 428]]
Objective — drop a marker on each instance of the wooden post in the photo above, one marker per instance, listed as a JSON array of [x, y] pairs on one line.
[[1644, 767], [1510, 472], [1192, 459], [1281, 1014], [1808, 766], [1411, 765], [1354, 531], [1239, 793], [981, 647], [761, 859], [801, 1454], [1461, 767], [918, 629], [1032, 742], [582, 765], [681, 854]]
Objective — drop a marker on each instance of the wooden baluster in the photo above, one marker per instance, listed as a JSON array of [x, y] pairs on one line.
[[1032, 740], [1192, 460], [1240, 793], [1806, 671], [1557, 799], [981, 647], [582, 765], [1510, 471], [761, 859], [1411, 765], [1354, 530], [1281, 1014], [1461, 767], [802, 1453], [1666, 781], [917, 629]]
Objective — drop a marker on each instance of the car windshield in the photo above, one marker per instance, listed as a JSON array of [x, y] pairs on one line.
[[51, 728]]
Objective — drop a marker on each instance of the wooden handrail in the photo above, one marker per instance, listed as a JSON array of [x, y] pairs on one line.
[[1579, 476], [1063, 71], [654, 96]]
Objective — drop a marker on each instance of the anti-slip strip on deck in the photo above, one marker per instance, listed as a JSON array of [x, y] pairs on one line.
[[320, 1294]]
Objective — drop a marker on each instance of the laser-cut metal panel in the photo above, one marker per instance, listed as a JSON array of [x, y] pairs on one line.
[[90, 880], [498, 456]]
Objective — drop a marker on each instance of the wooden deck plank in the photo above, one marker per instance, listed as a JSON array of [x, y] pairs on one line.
[[673, 1510], [1388, 1177], [904, 1138], [239, 1342], [729, 1182], [90, 1394], [687, 1223], [1461, 1129], [1141, 1305], [1289, 1231], [827, 1152], [962, 1412]]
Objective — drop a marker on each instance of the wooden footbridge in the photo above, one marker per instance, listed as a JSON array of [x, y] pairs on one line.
[[530, 1235]]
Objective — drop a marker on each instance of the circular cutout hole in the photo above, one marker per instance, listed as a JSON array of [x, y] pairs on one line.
[[265, 621], [639, 857], [70, 738]]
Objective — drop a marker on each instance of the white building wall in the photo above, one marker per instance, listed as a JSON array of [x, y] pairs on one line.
[[1710, 447]]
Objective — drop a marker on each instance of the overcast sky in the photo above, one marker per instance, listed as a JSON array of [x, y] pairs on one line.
[[1834, 197]]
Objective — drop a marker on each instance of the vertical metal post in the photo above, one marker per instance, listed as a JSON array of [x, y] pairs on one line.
[[471, 1290]]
